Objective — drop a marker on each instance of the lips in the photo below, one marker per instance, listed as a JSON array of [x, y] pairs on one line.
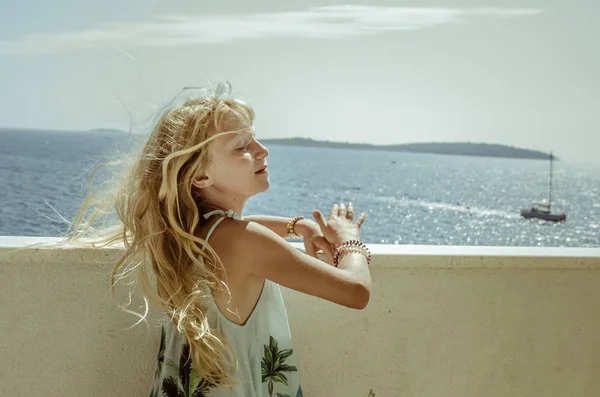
[[261, 170]]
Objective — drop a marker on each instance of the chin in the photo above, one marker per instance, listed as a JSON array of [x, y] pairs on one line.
[[265, 186], [268, 185]]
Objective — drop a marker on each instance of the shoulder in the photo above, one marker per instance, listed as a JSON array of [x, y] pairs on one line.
[[247, 236], [248, 247], [236, 238]]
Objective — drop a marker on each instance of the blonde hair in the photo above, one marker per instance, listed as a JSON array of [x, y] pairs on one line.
[[159, 213]]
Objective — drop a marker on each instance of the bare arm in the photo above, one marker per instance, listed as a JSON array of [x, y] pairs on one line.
[[278, 224], [307, 229], [272, 258]]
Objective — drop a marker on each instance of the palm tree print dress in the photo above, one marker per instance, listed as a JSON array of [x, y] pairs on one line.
[[263, 347]]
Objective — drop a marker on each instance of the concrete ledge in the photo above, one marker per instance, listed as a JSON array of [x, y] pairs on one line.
[[405, 256], [442, 321]]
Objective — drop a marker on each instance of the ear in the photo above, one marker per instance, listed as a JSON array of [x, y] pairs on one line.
[[202, 181]]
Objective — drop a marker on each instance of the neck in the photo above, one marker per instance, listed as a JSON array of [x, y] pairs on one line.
[[235, 204]]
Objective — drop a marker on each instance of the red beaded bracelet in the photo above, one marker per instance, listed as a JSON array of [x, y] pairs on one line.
[[353, 246]]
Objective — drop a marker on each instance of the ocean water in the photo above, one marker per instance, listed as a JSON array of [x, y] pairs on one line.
[[410, 198]]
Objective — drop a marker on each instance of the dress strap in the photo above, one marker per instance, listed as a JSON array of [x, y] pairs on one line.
[[224, 214]]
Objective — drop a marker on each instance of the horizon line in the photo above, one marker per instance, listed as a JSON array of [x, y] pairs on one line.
[[375, 145]]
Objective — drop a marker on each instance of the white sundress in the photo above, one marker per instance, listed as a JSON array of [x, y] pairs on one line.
[[263, 347]]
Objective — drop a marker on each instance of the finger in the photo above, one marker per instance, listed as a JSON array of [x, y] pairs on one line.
[[361, 219], [342, 212], [320, 219], [321, 243], [350, 211], [334, 211], [310, 249]]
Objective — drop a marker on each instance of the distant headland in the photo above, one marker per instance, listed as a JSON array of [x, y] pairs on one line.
[[452, 148], [99, 131]]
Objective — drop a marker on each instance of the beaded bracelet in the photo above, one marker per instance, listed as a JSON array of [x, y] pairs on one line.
[[358, 250], [351, 246], [290, 227]]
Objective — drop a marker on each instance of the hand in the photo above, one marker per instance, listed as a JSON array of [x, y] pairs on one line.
[[313, 239], [339, 227]]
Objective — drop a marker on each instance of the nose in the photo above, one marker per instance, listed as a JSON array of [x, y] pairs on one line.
[[262, 151]]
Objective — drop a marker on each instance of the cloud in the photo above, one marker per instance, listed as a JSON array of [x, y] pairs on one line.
[[315, 23]]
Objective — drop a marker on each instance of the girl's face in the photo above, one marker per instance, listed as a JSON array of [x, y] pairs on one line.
[[237, 171]]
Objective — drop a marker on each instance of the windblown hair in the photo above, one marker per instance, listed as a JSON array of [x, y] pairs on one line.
[[159, 214]]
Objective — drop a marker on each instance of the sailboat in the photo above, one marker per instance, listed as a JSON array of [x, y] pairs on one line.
[[543, 210]]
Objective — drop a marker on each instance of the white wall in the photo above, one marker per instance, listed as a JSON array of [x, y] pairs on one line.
[[442, 321]]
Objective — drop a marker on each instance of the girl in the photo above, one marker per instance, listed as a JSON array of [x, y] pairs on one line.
[[218, 274]]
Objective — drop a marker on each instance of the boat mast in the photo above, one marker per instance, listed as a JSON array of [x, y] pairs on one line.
[[550, 187]]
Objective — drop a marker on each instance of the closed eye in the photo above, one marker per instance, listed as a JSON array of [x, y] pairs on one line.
[[244, 147]]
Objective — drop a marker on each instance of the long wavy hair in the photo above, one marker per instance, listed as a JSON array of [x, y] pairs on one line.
[[159, 214]]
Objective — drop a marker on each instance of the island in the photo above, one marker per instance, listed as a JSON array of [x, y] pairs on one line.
[[107, 131], [97, 131], [451, 148]]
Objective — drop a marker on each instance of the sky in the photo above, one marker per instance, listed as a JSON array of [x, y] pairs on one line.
[[519, 73]]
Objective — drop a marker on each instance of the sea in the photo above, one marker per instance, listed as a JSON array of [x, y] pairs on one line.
[[410, 198]]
